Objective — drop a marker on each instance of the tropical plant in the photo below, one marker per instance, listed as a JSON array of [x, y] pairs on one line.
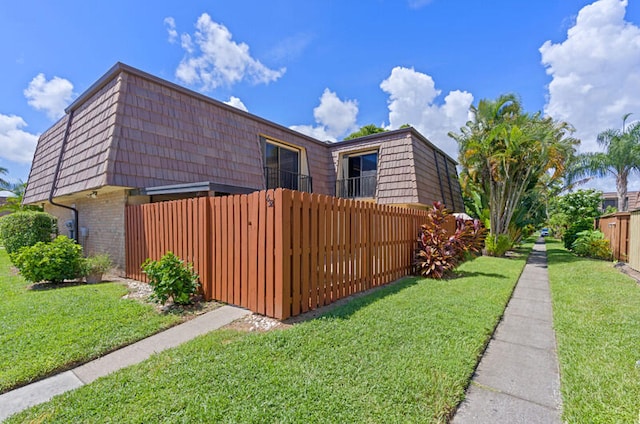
[[4, 184], [573, 207], [440, 252], [571, 234], [171, 278], [592, 244], [498, 245], [92, 267], [14, 204], [504, 152], [364, 131], [26, 229], [56, 261], [621, 157]]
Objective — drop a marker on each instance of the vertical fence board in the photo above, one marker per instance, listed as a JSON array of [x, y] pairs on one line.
[[230, 248], [237, 249], [274, 269], [305, 264], [323, 254], [296, 230], [244, 253], [254, 237], [313, 282]]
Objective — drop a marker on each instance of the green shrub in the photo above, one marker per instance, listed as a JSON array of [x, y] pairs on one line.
[[22, 229], [592, 244], [171, 278], [96, 264], [440, 252], [571, 234], [498, 245], [56, 261]]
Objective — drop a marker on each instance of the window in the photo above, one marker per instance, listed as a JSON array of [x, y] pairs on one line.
[[360, 175], [283, 167]]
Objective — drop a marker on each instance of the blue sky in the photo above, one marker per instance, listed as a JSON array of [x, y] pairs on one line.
[[328, 67]]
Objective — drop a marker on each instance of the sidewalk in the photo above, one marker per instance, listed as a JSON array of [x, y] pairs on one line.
[[517, 380], [43, 390]]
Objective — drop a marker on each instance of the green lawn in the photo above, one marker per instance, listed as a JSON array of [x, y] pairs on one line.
[[404, 353], [43, 331], [597, 322]]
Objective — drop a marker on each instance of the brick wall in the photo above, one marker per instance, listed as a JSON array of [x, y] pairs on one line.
[[102, 216]]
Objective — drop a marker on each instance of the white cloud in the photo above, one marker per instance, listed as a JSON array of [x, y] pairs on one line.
[[291, 47], [15, 144], [213, 58], [237, 103], [52, 96], [335, 118], [411, 101], [170, 23], [595, 72]]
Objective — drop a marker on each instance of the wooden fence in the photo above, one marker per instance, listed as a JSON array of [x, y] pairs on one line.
[[278, 252], [616, 229], [634, 240]]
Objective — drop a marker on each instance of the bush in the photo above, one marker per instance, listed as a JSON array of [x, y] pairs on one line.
[[571, 234], [56, 261], [498, 245], [592, 244], [439, 252], [97, 264], [170, 277], [22, 229]]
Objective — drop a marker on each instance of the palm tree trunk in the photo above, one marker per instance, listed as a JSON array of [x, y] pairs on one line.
[[621, 186]]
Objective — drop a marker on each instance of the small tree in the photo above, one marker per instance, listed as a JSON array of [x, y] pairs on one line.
[[564, 211], [439, 252]]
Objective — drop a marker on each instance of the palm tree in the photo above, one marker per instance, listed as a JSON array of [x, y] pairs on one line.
[[4, 184], [504, 152], [620, 158]]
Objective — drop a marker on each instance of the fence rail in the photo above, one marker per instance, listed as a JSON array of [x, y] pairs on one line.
[[277, 252]]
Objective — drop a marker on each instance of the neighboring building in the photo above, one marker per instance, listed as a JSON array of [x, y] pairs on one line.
[[134, 138], [4, 195], [632, 201]]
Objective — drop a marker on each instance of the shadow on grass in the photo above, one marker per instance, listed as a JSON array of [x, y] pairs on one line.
[[347, 306], [559, 255], [43, 286], [463, 274]]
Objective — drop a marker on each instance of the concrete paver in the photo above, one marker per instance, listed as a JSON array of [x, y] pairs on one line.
[[518, 380], [43, 390]]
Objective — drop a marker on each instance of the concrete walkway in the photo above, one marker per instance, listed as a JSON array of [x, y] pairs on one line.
[[517, 380], [43, 390]]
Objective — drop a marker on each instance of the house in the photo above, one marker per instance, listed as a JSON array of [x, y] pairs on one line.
[[4, 196], [611, 199], [133, 138]]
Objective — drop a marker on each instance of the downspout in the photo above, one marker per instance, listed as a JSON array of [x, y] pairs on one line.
[[55, 178]]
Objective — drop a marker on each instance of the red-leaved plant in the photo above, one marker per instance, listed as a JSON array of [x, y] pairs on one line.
[[440, 252]]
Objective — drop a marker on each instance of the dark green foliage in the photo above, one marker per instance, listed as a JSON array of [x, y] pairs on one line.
[[22, 229], [364, 131], [571, 234], [592, 244], [56, 261], [171, 278], [440, 252]]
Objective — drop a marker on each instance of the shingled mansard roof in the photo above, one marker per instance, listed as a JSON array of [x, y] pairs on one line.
[[131, 129]]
